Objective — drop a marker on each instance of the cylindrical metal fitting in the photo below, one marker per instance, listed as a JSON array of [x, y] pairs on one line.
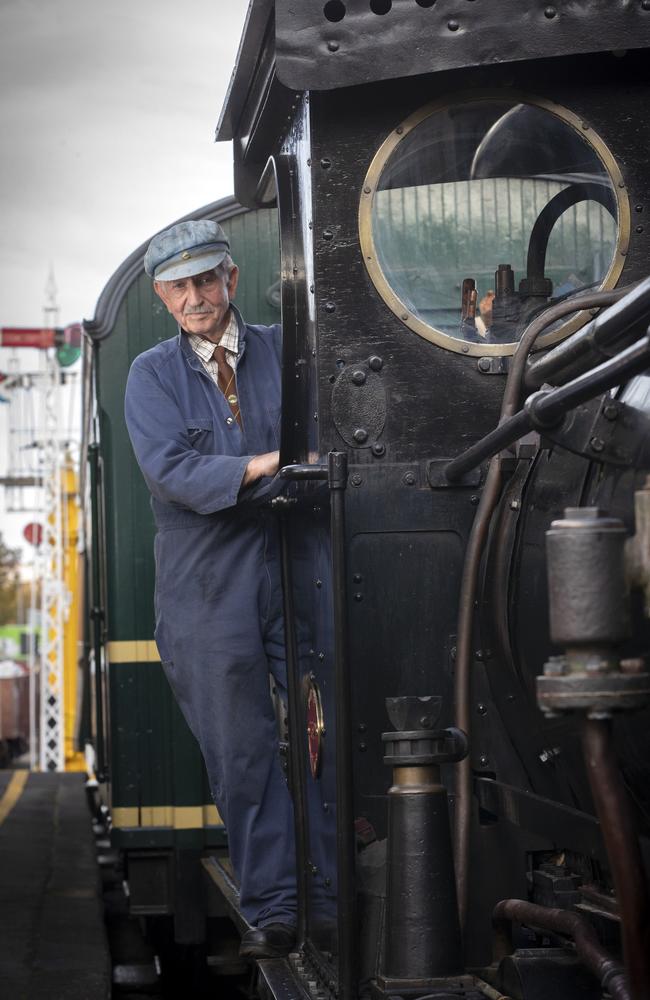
[[588, 593], [422, 928]]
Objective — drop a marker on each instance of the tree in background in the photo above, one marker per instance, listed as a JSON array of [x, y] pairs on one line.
[[9, 582]]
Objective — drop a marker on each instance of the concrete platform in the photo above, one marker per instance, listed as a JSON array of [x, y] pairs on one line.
[[52, 937]]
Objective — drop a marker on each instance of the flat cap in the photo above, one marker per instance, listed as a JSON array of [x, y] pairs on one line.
[[186, 249]]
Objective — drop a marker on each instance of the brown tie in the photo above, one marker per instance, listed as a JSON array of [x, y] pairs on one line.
[[226, 381]]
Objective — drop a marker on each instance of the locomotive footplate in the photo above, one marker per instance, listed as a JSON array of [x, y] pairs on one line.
[[220, 872], [449, 988], [278, 981]]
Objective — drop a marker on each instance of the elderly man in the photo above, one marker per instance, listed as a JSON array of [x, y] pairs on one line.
[[203, 412]]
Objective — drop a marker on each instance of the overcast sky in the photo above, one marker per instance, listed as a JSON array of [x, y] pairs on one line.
[[107, 119]]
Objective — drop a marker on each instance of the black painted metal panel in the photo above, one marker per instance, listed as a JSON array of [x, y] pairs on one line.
[[324, 45]]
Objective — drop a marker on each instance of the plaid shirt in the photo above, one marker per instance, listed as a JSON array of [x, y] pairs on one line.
[[204, 349]]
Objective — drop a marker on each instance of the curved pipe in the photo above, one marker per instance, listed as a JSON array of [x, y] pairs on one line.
[[462, 679], [469, 581], [623, 852], [588, 947], [541, 232], [594, 339], [546, 408]]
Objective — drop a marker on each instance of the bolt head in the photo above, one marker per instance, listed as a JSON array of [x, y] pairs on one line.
[[375, 363], [359, 377], [360, 435]]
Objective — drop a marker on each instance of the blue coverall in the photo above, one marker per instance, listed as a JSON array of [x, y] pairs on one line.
[[218, 592]]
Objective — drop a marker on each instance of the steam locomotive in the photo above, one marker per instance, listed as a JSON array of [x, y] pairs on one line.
[[461, 190]]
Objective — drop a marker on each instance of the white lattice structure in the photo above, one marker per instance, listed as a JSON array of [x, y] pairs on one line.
[[40, 440], [53, 596]]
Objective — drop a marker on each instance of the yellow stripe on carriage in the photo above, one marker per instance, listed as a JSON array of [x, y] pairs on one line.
[[178, 817], [136, 651]]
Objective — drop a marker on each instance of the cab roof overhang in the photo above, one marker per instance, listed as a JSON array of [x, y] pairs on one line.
[[310, 52]]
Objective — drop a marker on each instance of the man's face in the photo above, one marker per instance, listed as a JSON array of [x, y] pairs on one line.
[[200, 304]]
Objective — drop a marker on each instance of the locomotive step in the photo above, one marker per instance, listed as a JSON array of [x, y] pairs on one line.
[[220, 872]]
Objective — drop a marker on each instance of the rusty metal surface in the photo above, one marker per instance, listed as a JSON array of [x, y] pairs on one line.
[[588, 947], [622, 843], [324, 45]]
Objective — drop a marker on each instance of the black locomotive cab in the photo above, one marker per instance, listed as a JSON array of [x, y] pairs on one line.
[[462, 191]]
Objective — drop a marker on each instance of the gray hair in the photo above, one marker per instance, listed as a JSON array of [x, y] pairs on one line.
[[225, 267]]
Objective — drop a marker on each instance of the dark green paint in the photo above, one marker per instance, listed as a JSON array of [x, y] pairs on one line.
[[154, 759]]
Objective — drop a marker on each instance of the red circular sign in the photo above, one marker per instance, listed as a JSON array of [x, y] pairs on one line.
[[33, 533], [315, 728]]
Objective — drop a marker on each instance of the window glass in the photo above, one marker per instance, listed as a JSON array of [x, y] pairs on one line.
[[485, 212]]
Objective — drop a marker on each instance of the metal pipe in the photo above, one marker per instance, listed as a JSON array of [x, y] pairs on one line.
[[303, 472], [96, 610], [541, 232], [517, 371], [606, 329], [489, 991], [478, 535], [588, 947], [462, 680], [345, 843], [33, 749], [495, 441], [296, 731], [546, 407], [623, 851]]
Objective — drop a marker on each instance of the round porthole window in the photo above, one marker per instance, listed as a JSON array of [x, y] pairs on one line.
[[478, 214]]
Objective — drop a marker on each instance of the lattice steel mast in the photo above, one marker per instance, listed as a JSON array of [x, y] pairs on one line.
[[53, 590]]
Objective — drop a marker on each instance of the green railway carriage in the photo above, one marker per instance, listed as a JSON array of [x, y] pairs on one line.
[[147, 761]]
